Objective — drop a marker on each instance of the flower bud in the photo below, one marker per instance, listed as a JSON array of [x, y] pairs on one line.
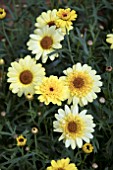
[[34, 130], [94, 165]]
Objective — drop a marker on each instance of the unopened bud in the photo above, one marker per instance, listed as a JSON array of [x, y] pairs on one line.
[[3, 113], [27, 148], [2, 62], [109, 68], [34, 130], [39, 113], [90, 42], [101, 27], [102, 100], [94, 165]]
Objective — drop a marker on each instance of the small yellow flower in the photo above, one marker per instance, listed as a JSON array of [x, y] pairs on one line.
[[109, 40], [21, 141], [63, 164], [52, 90], [2, 13], [34, 130], [66, 16], [87, 148]]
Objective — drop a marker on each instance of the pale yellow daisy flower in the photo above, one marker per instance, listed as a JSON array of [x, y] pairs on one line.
[[47, 18], [65, 18], [75, 127], [83, 84], [45, 41], [24, 75], [62, 164], [109, 40], [50, 18], [52, 90]]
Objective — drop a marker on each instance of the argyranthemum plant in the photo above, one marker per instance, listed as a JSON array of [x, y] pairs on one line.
[[63, 164], [109, 39], [24, 75], [52, 90], [44, 41], [83, 83], [65, 18], [75, 127]]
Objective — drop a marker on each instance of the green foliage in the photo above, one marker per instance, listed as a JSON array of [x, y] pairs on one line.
[[94, 22]]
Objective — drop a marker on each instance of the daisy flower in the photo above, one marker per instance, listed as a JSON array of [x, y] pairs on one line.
[[23, 75], [52, 90], [44, 41], [74, 126], [2, 13], [47, 18], [65, 18], [87, 148], [83, 83], [21, 141], [109, 39], [62, 164], [50, 18]]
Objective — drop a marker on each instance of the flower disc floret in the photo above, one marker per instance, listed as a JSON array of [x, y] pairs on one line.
[[75, 127], [83, 83], [63, 164], [24, 75], [52, 90], [45, 41]]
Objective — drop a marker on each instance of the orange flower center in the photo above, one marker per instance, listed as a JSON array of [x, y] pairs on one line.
[[60, 168], [78, 82], [46, 42], [26, 77], [72, 127]]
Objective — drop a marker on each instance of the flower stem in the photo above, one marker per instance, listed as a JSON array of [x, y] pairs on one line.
[[35, 137], [5, 34], [69, 46]]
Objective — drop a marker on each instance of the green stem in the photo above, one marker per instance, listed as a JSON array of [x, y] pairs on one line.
[[67, 36], [109, 79], [35, 138], [30, 106], [5, 34]]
